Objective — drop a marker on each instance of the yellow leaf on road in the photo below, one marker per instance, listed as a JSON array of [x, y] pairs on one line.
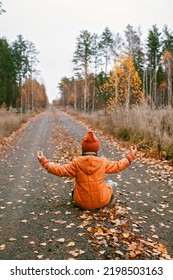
[[61, 240], [2, 247], [162, 249], [71, 244], [126, 234]]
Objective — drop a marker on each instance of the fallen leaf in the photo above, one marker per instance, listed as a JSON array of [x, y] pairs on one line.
[[132, 255], [2, 247], [46, 227], [81, 252], [39, 256], [124, 224], [56, 213], [119, 253], [155, 236], [61, 240], [81, 233], [60, 222], [102, 252], [12, 239], [71, 244], [91, 229], [126, 234], [43, 244], [74, 253], [162, 249], [100, 230], [23, 221]]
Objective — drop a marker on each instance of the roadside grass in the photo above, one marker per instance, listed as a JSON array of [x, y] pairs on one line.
[[150, 129], [10, 122]]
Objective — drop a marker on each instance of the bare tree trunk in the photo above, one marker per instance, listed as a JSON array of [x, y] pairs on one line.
[[106, 63], [116, 86], [75, 95], [94, 93], [32, 93], [146, 83], [155, 81], [85, 98], [169, 84], [27, 96], [20, 90], [151, 94], [85, 87], [5, 87], [128, 98]]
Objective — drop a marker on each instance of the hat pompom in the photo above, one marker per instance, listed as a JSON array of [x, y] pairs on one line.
[[90, 143]]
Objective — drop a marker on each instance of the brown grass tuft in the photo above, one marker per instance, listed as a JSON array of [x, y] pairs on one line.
[[10, 122]]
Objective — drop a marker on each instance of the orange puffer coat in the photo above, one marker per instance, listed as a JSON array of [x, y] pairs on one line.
[[90, 190]]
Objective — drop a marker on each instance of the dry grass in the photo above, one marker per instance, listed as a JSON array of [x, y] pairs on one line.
[[10, 122], [150, 130]]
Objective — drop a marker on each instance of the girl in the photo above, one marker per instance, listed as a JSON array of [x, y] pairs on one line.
[[91, 191]]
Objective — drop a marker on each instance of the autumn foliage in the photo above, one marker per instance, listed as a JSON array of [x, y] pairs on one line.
[[122, 75], [34, 96]]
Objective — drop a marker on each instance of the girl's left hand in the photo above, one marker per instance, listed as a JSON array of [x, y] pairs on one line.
[[39, 154]]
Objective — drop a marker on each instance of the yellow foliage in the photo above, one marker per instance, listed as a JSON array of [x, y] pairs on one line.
[[122, 76]]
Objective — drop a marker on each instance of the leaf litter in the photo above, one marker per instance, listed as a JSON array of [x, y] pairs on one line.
[[112, 234]]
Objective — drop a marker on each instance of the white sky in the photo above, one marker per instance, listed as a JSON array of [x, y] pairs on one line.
[[53, 26]]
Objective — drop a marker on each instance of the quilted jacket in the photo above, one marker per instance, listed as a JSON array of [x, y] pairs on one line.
[[90, 191]]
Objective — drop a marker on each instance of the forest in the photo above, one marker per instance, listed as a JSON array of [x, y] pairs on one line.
[[19, 87], [123, 86], [126, 69]]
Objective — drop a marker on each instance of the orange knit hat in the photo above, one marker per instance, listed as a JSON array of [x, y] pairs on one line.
[[90, 143]]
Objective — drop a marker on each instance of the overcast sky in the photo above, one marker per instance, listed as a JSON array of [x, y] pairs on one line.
[[53, 26]]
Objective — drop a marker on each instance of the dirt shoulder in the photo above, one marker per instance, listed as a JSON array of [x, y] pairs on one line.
[[38, 219]]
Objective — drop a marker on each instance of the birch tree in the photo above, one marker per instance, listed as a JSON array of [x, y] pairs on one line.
[[128, 83], [167, 42], [168, 61], [133, 45]]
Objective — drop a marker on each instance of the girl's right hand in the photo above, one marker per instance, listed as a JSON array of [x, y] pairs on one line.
[[133, 149]]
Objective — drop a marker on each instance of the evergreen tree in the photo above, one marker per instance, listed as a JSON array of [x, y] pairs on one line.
[[153, 54], [106, 46], [1, 9], [167, 39], [21, 61], [82, 59], [134, 47], [7, 74]]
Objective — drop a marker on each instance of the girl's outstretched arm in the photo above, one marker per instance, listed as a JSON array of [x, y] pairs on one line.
[[66, 170], [42, 159]]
